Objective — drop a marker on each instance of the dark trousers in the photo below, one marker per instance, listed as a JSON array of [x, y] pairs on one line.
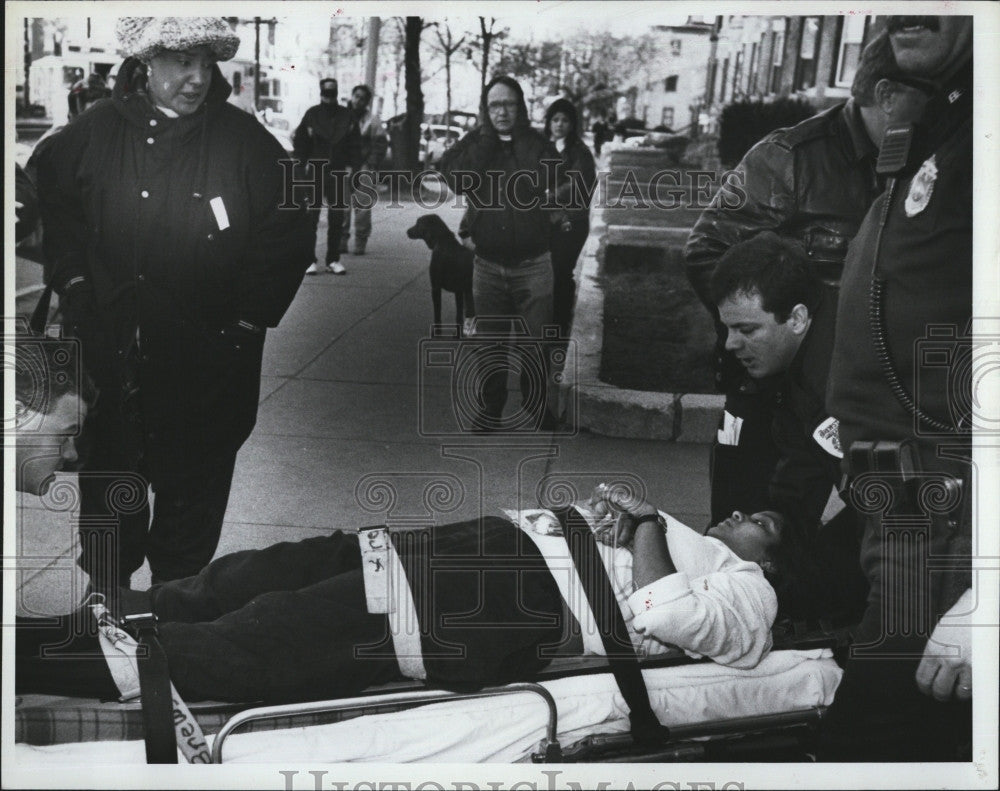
[[290, 622], [279, 624], [334, 230], [879, 713], [116, 533], [740, 474], [565, 248]]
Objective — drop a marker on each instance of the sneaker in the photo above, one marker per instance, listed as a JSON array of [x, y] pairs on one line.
[[359, 247], [315, 269], [336, 267]]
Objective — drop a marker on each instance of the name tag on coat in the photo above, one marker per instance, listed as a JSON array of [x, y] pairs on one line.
[[219, 210]]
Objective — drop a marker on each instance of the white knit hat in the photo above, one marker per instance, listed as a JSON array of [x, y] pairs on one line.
[[143, 37]]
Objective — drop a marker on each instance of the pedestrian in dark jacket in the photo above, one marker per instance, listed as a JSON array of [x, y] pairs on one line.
[[901, 384], [361, 188], [328, 137], [499, 168], [812, 182], [575, 179], [170, 258]]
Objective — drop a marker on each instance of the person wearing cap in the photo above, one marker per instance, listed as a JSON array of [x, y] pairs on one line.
[[374, 145], [328, 138], [902, 387], [170, 258], [813, 183]]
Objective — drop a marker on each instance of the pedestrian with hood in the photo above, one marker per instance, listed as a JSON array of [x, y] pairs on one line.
[[171, 258], [575, 179], [373, 147], [499, 168], [328, 137]]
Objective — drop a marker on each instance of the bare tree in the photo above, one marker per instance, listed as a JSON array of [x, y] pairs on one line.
[[410, 155], [448, 46], [487, 35]]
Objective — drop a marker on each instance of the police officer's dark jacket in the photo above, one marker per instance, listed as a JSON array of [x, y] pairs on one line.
[[506, 230], [173, 224], [812, 182], [924, 257], [803, 431]]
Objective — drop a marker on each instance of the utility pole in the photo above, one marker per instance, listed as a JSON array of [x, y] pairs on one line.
[[27, 65], [371, 53], [256, 62]]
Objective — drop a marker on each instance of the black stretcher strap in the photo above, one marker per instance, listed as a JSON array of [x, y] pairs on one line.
[[154, 686], [645, 725]]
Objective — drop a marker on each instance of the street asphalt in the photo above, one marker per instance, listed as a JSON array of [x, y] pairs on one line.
[[355, 428]]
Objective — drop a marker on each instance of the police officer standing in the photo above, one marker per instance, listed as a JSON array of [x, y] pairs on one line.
[[907, 689], [813, 183]]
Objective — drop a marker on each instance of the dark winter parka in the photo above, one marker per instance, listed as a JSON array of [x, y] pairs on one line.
[[509, 218], [173, 225], [576, 177]]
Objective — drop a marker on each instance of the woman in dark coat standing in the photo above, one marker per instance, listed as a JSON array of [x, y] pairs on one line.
[[575, 184], [171, 258]]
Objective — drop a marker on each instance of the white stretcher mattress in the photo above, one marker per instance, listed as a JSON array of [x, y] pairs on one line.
[[509, 728]]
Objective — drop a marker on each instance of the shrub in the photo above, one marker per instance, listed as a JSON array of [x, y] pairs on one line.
[[744, 123]]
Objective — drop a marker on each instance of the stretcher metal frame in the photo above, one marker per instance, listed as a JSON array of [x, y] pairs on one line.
[[549, 746]]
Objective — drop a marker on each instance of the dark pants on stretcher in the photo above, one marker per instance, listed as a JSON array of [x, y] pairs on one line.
[[290, 622]]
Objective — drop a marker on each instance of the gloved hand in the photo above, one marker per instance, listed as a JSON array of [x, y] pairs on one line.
[[945, 672]]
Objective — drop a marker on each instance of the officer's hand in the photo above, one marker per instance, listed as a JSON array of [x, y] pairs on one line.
[[945, 671]]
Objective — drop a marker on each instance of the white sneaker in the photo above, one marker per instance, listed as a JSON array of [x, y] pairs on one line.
[[315, 269], [337, 268]]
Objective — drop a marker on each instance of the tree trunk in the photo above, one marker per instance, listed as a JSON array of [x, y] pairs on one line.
[[414, 95], [487, 40]]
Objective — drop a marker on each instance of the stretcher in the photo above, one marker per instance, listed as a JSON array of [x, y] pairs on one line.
[[572, 712]]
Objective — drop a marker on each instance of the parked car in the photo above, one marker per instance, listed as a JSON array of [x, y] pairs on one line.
[[435, 139]]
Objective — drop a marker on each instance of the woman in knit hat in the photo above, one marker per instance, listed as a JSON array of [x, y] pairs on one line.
[[575, 179], [170, 258]]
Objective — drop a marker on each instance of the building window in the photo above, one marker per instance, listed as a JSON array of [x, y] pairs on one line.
[[670, 84], [752, 82], [805, 67], [852, 34], [675, 48], [777, 53], [667, 118]]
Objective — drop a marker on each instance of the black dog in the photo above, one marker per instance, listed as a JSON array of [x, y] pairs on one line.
[[451, 266]]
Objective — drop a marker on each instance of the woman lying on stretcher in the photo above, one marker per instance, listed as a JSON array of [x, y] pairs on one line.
[[493, 604]]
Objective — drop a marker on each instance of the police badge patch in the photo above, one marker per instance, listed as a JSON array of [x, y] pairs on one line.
[[921, 188], [827, 436]]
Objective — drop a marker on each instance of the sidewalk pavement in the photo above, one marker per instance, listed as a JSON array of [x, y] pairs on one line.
[[338, 440]]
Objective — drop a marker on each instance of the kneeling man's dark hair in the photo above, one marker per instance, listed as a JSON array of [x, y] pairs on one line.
[[770, 265]]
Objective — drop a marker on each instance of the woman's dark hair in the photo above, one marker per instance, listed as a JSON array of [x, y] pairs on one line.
[[795, 569], [770, 265], [563, 106]]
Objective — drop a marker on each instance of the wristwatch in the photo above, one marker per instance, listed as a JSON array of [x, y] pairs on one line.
[[647, 518]]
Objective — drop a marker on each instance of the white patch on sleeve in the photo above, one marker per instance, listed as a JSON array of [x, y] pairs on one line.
[[219, 210], [827, 435]]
